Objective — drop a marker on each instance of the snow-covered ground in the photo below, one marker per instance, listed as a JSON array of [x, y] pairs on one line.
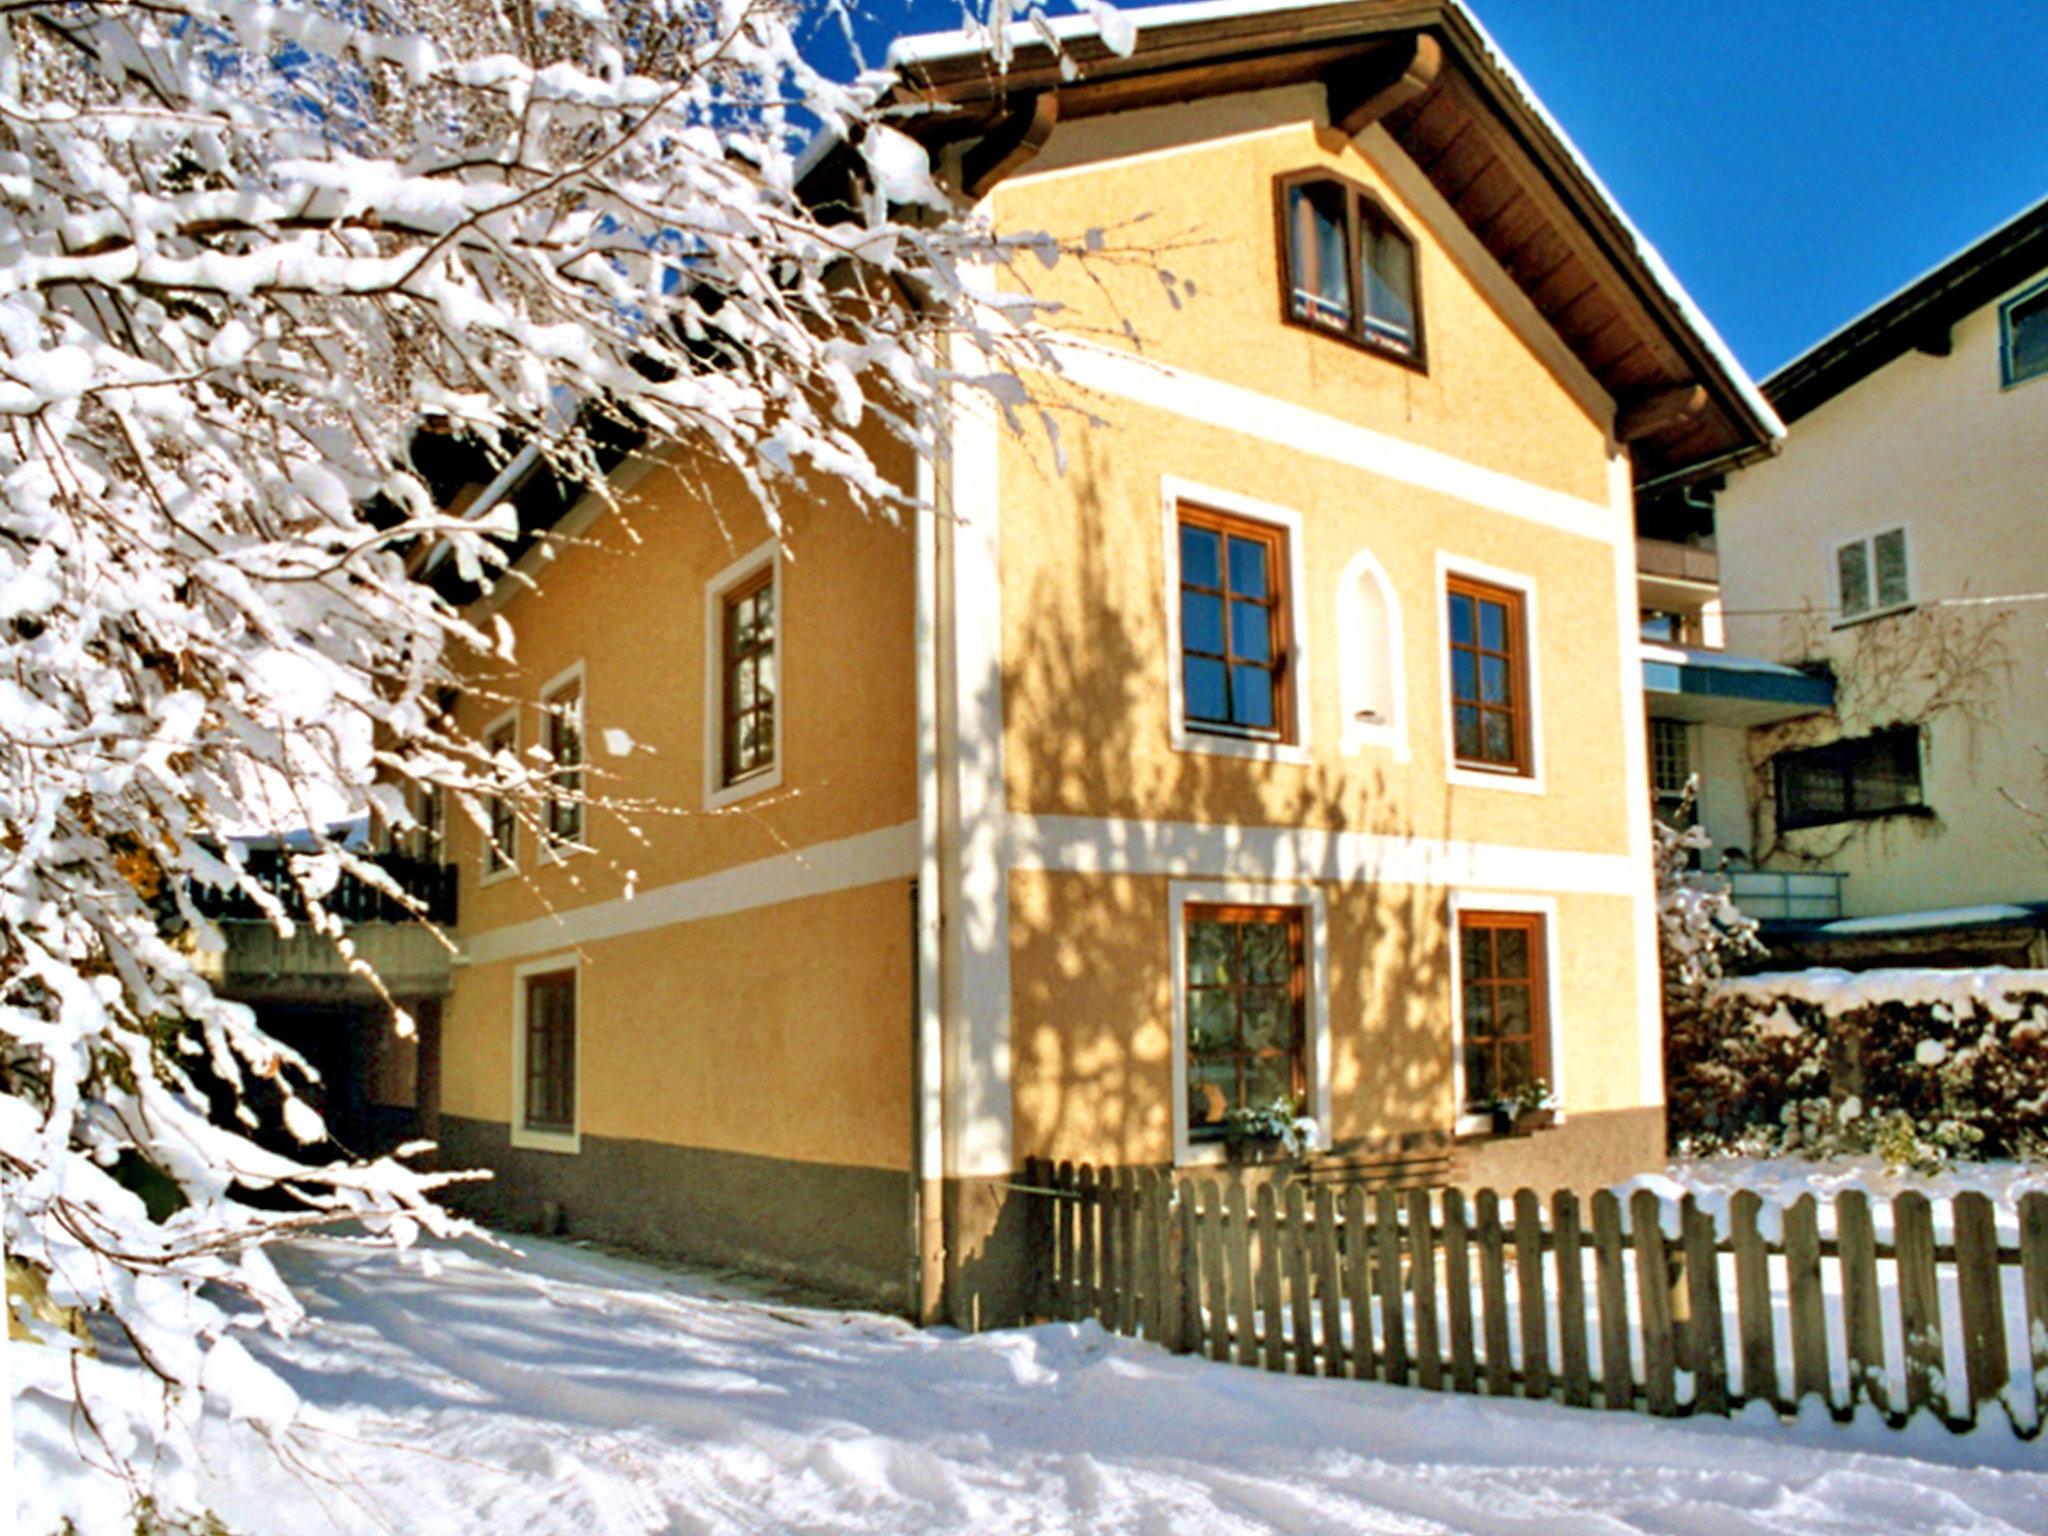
[[568, 1391]]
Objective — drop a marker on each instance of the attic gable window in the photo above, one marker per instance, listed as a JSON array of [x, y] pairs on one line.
[[1350, 267]]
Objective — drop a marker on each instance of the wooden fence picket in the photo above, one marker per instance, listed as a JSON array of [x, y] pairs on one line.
[[1358, 1282], [1755, 1316], [1386, 1227], [1919, 1303], [1429, 1360], [1653, 1300], [1244, 1309], [2034, 1283], [1215, 1292], [1703, 1291], [1493, 1295], [1300, 1302], [1571, 1299], [1069, 1220], [1529, 1292], [1810, 1374], [1088, 1213], [1329, 1286], [1610, 1278], [1275, 1340], [1458, 1293], [1862, 1302], [1981, 1299]]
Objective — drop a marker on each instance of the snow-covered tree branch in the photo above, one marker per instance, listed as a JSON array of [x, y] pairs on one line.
[[249, 252]]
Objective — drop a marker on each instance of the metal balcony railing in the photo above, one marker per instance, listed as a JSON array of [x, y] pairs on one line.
[[353, 900]]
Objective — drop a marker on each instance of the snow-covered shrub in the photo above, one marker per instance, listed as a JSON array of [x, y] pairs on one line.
[[1921, 1067]]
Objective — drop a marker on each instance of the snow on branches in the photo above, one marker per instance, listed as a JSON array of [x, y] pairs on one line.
[[247, 251]]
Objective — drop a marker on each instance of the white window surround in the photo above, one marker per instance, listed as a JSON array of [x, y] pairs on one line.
[[1371, 659], [1447, 566], [1837, 608], [522, 1135], [1181, 894], [552, 852], [485, 874], [1173, 491], [1462, 900], [718, 794]]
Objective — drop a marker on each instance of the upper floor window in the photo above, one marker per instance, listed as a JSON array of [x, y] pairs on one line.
[[1875, 775], [2023, 335], [1490, 717], [501, 852], [743, 678], [562, 708], [1871, 575], [1350, 267], [1233, 626]]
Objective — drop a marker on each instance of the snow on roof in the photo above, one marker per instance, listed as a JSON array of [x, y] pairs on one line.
[[963, 42], [1948, 917]]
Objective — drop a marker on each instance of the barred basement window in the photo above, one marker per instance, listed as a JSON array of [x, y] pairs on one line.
[[1876, 775]]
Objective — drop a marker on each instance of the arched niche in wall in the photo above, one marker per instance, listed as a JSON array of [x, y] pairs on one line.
[[1372, 685]]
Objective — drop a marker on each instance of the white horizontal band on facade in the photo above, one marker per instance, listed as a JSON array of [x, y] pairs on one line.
[[1183, 850], [845, 864], [1232, 408]]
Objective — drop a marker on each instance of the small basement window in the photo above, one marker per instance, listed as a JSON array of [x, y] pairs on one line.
[[1875, 775], [1350, 267]]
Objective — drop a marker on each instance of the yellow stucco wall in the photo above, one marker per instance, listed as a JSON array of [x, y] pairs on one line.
[[1086, 624], [704, 1034], [712, 1033]]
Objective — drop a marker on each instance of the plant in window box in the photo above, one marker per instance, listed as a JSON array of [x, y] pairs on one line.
[[1531, 1107], [1255, 1131]]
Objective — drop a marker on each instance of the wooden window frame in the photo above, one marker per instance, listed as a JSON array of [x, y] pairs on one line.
[[759, 569], [732, 664], [1362, 205], [1279, 604], [564, 817], [1839, 757], [1245, 913], [555, 1126], [1521, 707], [1536, 926], [499, 856]]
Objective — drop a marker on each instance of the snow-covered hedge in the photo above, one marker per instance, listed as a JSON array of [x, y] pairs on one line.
[[1918, 1066]]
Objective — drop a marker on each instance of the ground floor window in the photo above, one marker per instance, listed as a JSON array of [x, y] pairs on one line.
[[550, 1052], [1505, 1032], [1247, 987]]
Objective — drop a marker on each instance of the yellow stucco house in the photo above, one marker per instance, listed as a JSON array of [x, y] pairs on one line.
[[1287, 748]]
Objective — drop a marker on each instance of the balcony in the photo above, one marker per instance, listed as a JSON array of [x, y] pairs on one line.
[[259, 965], [1667, 560], [1691, 683]]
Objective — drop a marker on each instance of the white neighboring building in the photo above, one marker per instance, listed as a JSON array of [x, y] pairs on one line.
[[1900, 542]]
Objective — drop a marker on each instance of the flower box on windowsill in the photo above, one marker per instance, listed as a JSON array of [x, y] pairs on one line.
[[1511, 1122], [1257, 1149]]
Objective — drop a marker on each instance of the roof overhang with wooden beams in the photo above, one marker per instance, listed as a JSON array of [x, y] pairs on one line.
[[1430, 75]]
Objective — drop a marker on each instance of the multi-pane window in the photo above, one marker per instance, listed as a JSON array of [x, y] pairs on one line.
[[747, 666], [502, 740], [563, 712], [1872, 775], [1246, 996], [550, 1049], [1350, 267], [1670, 763], [1871, 574], [1233, 626], [1505, 1033], [1489, 677], [2023, 335]]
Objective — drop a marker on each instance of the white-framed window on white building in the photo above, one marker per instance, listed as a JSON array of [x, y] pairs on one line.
[[1873, 575], [2023, 335], [1251, 1025]]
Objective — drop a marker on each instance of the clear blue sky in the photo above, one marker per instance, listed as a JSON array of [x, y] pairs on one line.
[[1795, 160]]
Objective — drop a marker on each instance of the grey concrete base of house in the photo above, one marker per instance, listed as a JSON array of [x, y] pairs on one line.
[[1584, 1153], [842, 1232]]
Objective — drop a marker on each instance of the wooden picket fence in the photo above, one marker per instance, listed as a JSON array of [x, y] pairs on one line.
[[1335, 1281]]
